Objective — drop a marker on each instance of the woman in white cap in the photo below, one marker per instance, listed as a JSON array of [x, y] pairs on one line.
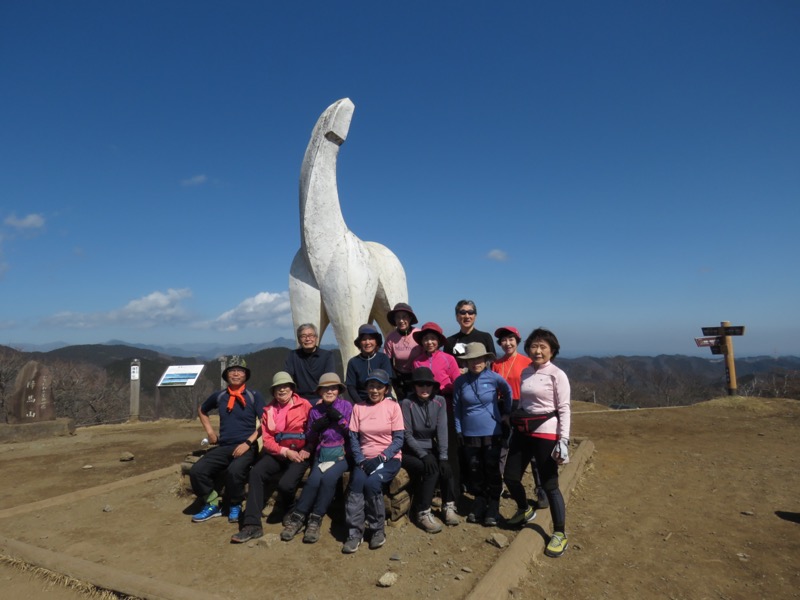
[[327, 440], [481, 405], [376, 438], [283, 428]]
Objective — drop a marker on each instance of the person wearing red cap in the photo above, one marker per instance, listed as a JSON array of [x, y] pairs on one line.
[[445, 369], [401, 347]]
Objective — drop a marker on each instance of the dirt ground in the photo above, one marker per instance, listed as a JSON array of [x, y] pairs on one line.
[[683, 503]]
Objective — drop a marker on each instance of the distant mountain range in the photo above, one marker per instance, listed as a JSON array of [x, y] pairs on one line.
[[205, 351]]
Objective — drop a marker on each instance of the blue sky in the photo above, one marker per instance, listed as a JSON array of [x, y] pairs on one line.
[[621, 172]]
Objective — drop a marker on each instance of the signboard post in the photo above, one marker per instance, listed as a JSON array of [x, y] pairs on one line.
[[177, 376], [720, 342], [135, 386]]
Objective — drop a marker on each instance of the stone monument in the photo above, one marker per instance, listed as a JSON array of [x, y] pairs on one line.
[[32, 398], [335, 277]]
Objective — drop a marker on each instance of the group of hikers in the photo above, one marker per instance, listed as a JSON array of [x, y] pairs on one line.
[[445, 409]]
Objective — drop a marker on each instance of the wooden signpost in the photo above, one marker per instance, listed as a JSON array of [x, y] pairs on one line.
[[720, 342]]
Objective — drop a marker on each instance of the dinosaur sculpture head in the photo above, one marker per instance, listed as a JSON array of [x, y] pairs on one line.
[[336, 120]]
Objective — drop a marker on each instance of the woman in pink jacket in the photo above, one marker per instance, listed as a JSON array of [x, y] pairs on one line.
[[445, 371], [283, 427], [444, 366]]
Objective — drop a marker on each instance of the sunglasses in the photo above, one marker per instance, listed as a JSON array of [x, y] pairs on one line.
[[463, 312], [423, 384]]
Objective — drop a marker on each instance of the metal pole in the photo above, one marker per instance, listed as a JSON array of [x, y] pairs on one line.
[[730, 367], [222, 361], [135, 385]]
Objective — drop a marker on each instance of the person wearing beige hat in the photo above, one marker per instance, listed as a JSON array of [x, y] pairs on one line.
[[327, 433], [283, 432], [481, 406]]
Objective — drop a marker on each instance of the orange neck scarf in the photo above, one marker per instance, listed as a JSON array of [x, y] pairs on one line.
[[235, 393]]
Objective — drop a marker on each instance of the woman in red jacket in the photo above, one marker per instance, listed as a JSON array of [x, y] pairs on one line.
[[283, 426]]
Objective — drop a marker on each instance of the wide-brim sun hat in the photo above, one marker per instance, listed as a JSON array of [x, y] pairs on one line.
[[475, 350], [282, 378], [329, 379], [430, 327], [424, 375], [378, 375], [401, 306], [236, 362], [368, 329], [502, 332]]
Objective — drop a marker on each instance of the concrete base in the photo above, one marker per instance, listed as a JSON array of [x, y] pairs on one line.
[[25, 432]]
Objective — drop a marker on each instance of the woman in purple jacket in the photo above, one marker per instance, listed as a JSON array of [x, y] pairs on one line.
[[327, 434]]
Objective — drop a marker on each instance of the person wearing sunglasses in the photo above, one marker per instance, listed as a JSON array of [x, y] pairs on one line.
[[466, 313]]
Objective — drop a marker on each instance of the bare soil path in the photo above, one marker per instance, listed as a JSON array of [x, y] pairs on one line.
[[697, 502]]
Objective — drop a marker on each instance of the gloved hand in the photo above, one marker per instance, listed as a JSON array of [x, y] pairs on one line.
[[445, 470], [561, 451], [369, 465], [334, 415], [460, 439], [320, 424], [429, 460]]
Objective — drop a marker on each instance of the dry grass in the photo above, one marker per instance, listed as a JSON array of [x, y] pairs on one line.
[[86, 589]]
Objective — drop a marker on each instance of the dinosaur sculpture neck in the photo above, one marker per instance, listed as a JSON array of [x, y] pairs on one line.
[[320, 212]]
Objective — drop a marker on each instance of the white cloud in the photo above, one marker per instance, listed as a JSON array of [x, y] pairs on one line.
[[192, 181], [157, 308], [498, 255], [31, 221], [265, 308]]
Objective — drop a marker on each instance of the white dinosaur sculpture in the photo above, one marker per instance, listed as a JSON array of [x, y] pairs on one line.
[[335, 277]]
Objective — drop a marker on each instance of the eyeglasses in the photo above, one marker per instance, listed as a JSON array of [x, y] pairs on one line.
[[423, 384], [307, 336], [463, 312]]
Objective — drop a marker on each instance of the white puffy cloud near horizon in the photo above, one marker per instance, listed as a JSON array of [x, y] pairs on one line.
[[498, 255], [156, 308], [28, 222], [263, 309]]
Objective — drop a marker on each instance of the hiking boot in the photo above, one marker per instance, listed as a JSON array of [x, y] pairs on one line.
[[234, 513], [449, 515], [427, 522], [292, 527], [492, 514], [351, 545], [477, 511], [557, 545], [209, 512], [311, 536], [248, 532], [541, 499], [377, 540], [287, 518], [522, 516]]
